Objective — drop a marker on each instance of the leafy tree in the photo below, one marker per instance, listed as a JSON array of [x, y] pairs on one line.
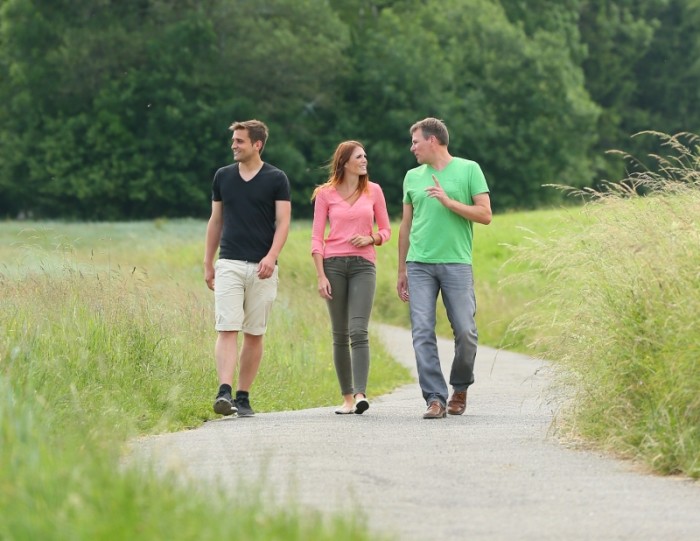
[[617, 34], [668, 75], [120, 110], [514, 103], [25, 37], [288, 59]]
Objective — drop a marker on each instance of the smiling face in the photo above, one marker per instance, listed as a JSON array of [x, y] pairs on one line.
[[357, 162], [243, 148]]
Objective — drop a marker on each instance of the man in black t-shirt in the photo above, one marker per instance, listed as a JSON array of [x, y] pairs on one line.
[[249, 224]]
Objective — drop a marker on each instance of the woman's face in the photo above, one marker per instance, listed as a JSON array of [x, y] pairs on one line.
[[357, 164]]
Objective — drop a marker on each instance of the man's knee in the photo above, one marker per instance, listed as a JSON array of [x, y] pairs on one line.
[[253, 337]]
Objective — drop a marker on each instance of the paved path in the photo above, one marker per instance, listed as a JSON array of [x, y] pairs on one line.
[[494, 473]]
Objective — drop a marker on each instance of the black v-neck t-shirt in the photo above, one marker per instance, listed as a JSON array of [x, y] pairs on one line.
[[248, 210]]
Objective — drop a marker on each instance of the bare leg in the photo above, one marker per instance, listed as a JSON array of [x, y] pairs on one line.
[[348, 402], [348, 405], [226, 354], [251, 355]]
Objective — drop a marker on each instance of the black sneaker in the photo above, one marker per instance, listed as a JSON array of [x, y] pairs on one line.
[[223, 405], [243, 405]]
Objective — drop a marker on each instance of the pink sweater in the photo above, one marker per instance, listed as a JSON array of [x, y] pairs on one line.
[[348, 220]]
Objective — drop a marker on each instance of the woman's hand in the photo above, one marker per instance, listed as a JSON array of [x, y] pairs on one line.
[[324, 288], [358, 241]]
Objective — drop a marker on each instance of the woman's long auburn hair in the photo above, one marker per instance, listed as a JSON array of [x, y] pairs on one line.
[[336, 167]]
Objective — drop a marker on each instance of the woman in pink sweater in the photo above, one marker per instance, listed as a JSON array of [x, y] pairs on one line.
[[345, 264]]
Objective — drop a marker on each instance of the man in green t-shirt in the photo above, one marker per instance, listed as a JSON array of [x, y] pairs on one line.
[[442, 198]]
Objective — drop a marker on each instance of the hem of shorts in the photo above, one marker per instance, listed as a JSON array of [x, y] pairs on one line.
[[254, 332]]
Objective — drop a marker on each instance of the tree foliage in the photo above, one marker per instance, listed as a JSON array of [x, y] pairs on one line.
[[120, 109]]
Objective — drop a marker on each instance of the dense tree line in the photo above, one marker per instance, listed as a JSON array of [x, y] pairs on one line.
[[119, 109]]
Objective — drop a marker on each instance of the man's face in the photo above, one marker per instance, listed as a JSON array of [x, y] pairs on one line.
[[421, 147], [242, 147]]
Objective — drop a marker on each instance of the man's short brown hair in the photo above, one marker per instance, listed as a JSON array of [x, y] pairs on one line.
[[433, 126], [257, 131]]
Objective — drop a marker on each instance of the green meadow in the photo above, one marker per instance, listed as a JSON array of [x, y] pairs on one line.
[[106, 334]]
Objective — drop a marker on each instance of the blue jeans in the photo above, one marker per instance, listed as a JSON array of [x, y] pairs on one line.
[[353, 281], [455, 282]]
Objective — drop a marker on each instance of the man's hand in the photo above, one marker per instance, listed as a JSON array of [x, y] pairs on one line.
[[209, 275], [402, 287], [437, 192], [266, 267]]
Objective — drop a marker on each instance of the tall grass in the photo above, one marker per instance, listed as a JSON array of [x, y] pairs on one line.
[[620, 312], [109, 335]]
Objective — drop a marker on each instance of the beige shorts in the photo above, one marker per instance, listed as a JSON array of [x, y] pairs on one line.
[[243, 301]]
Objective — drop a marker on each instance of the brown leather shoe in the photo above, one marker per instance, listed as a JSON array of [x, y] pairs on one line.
[[457, 403], [435, 411]]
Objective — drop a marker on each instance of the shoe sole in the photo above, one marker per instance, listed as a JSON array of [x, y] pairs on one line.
[[455, 412], [361, 406], [224, 407], [246, 413]]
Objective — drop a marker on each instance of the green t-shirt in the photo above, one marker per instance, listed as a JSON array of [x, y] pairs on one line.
[[439, 235]]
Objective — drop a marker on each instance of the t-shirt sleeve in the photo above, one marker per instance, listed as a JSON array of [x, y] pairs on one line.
[[406, 197], [215, 189], [478, 181], [283, 192]]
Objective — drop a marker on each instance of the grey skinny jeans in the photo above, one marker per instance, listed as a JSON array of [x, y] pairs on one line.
[[456, 284], [353, 280]]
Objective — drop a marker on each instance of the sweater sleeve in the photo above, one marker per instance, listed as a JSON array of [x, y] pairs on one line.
[[381, 215], [319, 224]]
